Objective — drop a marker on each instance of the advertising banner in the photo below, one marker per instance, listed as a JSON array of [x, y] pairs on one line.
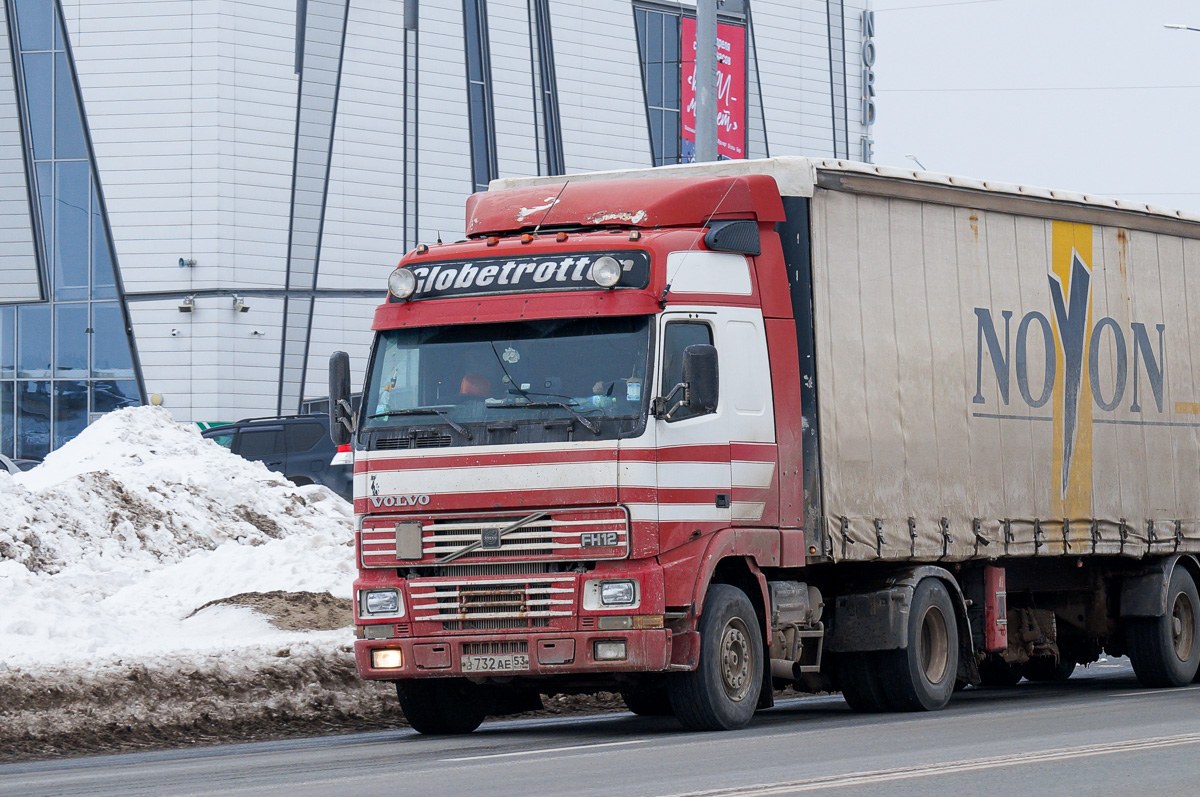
[[731, 90]]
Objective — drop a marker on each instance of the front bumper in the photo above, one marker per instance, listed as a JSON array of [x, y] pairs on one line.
[[551, 653]]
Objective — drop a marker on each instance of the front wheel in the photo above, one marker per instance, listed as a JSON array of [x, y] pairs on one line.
[[722, 692], [1165, 651], [921, 676], [442, 707]]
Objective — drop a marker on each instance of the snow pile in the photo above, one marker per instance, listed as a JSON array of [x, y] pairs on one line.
[[110, 546]]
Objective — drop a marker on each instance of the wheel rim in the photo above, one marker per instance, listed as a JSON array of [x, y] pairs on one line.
[[934, 649], [736, 660], [1183, 626]]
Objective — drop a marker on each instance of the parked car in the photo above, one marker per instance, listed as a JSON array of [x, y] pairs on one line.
[[17, 465], [298, 446]]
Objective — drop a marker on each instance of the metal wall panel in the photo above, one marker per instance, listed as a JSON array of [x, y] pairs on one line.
[[993, 384], [20, 276]]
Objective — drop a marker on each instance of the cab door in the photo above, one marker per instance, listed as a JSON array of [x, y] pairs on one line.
[[694, 477]]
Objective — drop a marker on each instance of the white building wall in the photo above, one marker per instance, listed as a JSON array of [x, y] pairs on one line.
[[192, 109], [600, 93], [20, 279]]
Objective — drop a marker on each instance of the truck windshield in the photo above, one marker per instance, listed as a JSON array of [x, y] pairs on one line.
[[513, 382]]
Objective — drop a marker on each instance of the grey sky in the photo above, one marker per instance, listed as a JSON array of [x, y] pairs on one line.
[[1088, 96]]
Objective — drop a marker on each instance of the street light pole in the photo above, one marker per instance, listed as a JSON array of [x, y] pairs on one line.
[[706, 80]]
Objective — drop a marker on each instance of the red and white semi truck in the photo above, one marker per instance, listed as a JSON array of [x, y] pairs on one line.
[[693, 432]]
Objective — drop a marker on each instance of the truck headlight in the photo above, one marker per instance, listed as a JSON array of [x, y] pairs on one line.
[[614, 593], [402, 283], [382, 602], [606, 271]]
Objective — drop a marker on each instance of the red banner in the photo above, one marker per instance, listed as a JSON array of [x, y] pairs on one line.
[[731, 90]]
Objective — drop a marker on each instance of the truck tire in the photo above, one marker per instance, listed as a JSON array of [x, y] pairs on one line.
[[1047, 670], [648, 701], [722, 692], [1165, 651], [858, 677], [921, 677], [996, 672], [442, 707]]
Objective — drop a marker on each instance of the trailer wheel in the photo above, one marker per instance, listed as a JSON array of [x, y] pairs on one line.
[[442, 707], [648, 701], [858, 677], [1165, 651], [921, 677], [996, 672], [722, 692], [1047, 670]]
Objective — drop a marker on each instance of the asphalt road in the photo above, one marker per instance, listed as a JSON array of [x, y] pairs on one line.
[[1099, 733]]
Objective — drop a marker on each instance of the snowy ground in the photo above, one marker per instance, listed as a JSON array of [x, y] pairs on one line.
[[117, 557]]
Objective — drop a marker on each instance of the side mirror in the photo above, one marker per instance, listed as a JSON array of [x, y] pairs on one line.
[[700, 376], [341, 414]]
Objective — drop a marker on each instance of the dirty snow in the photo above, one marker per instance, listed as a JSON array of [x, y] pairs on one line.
[[109, 547]]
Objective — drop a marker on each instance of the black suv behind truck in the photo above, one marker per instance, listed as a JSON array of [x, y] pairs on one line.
[[298, 446]]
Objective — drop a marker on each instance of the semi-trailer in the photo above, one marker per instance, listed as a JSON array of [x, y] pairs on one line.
[[691, 433]]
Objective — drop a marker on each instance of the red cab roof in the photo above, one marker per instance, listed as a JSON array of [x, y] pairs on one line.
[[636, 202]]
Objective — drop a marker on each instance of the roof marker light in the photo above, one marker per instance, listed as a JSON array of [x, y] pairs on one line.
[[493, 240], [527, 238], [562, 236], [422, 249]]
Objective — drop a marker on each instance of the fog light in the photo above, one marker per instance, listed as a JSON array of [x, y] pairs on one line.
[[609, 650], [402, 283], [606, 271], [392, 659]]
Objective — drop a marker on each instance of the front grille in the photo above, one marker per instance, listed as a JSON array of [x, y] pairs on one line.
[[494, 625], [492, 599], [510, 569], [494, 648], [591, 534], [427, 441]]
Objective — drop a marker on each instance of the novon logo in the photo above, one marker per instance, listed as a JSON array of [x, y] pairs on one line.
[[399, 500], [1082, 362]]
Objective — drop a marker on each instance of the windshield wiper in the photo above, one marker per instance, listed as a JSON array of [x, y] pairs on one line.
[[424, 411], [591, 427]]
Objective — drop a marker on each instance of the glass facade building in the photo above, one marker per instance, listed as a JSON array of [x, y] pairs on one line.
[[197, 209], [68, 359]]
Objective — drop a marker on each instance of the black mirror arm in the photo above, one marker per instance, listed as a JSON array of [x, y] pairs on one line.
[[660, 403]]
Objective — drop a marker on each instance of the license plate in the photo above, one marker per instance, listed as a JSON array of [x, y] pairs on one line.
[[511, 662]]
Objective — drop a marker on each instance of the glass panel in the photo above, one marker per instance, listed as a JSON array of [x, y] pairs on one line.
[[39, 94], [654, 37], [104, 281], [70, 410], [109, 395], [70, 340], [671, 39], [654, 85], [58, 34], [45, 188], [261, 444], [110, 343], [33, 419], [671, 85], [8, 342], [68, 127], [671, 136], [33, 341], [34, 23], [72, 189], [224, 440], [639, 17], [304, 436], [679, 336], [471, 33], [6, 418]]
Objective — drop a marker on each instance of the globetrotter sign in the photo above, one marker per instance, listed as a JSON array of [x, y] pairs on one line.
[[1069, 359], [499, 275]]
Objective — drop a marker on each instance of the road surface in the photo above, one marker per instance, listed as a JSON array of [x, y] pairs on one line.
[[1099, 733]]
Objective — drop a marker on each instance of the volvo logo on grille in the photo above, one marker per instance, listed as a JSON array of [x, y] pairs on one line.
[[489, 539], [398, 500]]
